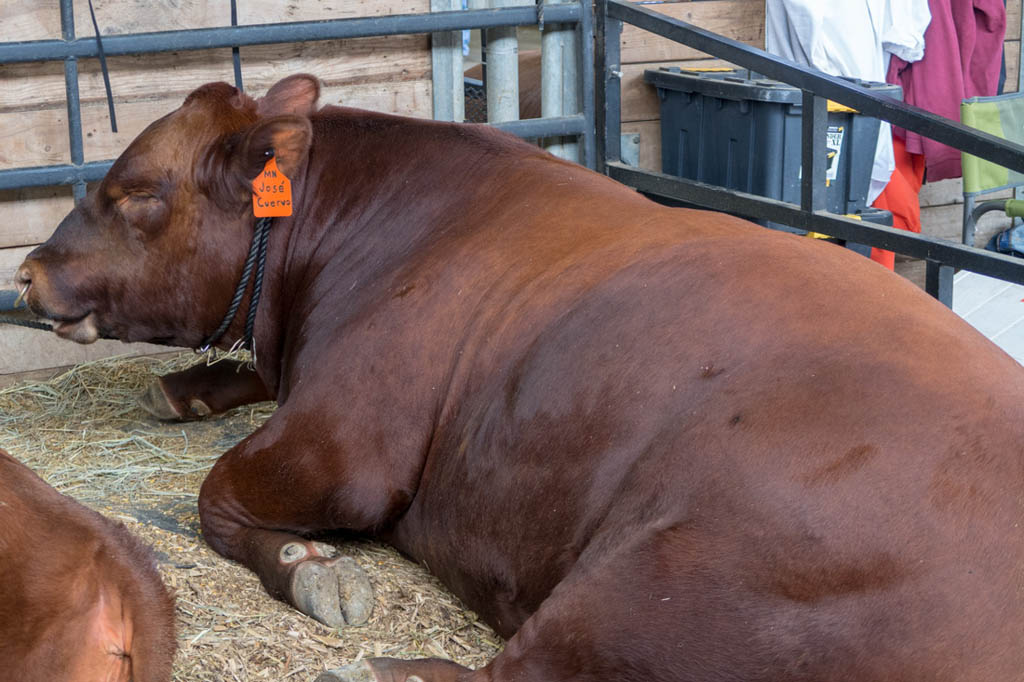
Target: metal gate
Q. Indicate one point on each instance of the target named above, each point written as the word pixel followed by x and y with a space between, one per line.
pixel 942 257
pixel 71 48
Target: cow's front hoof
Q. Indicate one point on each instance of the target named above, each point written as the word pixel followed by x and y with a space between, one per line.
pixel 336 592
pixel 156 402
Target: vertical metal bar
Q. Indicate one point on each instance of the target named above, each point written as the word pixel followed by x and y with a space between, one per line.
pixel 446 60
pixel 938 281
pixel 67 31
pixel 236 55
pixel 559 81
pixel 552 59
pixel 814 126
pixel 609 109
pixel 502 70
pixel 586 87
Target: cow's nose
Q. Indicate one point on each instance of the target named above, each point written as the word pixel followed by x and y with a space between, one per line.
pixel 23 277
pixel 23 282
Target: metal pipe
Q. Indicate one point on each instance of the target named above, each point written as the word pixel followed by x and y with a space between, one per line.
pixel 814 128
pixel 502 71
pixel 587 85
pixel 879 236
pixel 45 176
pixel 74 104
pixel 291 32
pixel 559 80
pixel 551 73
pixel 446 73
pixel 952 133
pixel 536 128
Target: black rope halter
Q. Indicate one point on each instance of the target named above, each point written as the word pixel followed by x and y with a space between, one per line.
pixel 256 259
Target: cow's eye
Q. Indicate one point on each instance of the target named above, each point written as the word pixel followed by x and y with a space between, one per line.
pixel 142 210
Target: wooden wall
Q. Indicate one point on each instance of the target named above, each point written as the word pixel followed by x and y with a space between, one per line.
pixel 388 74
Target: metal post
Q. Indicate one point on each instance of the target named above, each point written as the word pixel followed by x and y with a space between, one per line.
pixel 814 126
pixel 586 90
pixel 559 81
pixel 502 70
pixel 67 30
pixel 938 281
pixel 446 58
pixel 609 82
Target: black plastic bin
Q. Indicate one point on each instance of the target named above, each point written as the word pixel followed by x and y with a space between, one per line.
pixel 729 129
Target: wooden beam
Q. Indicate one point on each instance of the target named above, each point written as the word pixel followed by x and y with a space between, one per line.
pixel 30 215
pixel 741 20
pixel 34 86
pixel 639 98
pixel 650 142
pixel 39 138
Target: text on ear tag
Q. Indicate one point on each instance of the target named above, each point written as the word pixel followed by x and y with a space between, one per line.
pixel 271 192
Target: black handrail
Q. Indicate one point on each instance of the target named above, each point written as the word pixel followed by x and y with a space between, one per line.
pixel 941 256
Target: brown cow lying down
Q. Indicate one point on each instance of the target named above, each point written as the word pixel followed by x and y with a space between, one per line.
pixel 80 597
pixel 643 443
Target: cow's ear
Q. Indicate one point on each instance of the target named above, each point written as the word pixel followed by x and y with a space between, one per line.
pixel 285 138
pixel 292 95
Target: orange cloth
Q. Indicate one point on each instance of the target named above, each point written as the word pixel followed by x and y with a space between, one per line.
pixel 900 196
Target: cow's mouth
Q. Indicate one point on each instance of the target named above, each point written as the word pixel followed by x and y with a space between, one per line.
pixel 80 330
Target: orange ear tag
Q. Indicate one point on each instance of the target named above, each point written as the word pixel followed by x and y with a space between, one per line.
pixel 271 192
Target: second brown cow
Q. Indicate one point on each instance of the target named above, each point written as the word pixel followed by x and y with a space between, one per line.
pixel 643 443
pixel 80 597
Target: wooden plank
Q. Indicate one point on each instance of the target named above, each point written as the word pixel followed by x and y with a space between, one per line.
pixel 741 20
pixel 29 19
pixel 1013 19
pixel 1012 53
pixel 650 142
pixel 40 137
pixel 942 192
pixel 640 99
pixel 31 350
pixel 30 215
pixel 121 16
pixel 337 62
pixel 10 259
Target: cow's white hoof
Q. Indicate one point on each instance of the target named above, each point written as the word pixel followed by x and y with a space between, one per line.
pixel 354 672
pixel 336 592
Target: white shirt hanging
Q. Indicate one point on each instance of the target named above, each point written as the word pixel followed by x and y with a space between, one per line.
pixel 851 38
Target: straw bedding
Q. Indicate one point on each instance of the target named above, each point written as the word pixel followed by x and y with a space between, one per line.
pixel 84 433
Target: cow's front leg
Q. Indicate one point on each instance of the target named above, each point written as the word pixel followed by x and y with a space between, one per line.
pixel 203 390
pixel 291 479
pixel 311 576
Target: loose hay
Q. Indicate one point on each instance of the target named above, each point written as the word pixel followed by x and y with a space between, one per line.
pixel 84 433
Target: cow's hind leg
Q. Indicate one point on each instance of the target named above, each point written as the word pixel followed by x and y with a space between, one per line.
pixel 203 390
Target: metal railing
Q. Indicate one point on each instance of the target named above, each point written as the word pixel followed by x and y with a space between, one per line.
pixel 942 257
pixel 71 48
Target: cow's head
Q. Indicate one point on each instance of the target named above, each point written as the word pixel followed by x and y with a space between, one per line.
pixel 155 251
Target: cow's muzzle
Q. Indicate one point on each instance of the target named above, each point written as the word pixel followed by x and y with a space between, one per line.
pixel 78 327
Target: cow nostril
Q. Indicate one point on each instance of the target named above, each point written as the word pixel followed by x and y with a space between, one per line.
pixel 23 282
pixel 23 277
